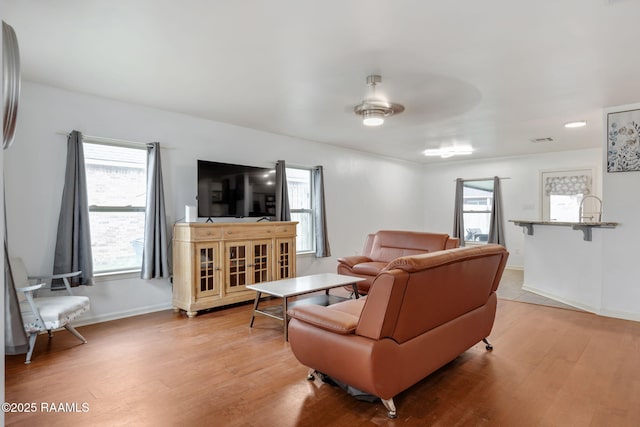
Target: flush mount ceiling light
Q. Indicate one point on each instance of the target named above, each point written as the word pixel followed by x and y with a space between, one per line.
pixel 446 152
pixel 374 110
pixel 577 124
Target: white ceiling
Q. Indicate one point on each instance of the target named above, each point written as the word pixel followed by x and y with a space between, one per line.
pixel 493 74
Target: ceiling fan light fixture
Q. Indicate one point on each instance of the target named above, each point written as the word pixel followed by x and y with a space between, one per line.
pixel 372 118
pixel 374 110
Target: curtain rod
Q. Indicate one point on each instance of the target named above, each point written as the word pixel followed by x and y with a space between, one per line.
pixel 483 179
pixel 114 141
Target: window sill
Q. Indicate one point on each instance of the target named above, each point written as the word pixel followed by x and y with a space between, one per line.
pixel 472 243
pixel 117 275
pixel 307 253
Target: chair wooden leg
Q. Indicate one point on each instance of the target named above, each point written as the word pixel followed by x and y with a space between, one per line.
pixel 32 344
pixel 75 333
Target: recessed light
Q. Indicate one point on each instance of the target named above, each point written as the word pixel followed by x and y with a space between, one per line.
pixel 578 124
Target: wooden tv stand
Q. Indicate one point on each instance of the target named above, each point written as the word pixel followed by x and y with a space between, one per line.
pixel 213 262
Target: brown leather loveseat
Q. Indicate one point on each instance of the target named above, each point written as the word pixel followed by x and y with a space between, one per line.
pixel 386 245
pixel 421 313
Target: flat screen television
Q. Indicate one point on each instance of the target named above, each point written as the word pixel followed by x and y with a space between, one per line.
pixel 228 190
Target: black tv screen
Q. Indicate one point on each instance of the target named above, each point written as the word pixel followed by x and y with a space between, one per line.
pixel 228 190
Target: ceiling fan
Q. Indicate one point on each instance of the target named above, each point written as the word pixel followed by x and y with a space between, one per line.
pixel 374 110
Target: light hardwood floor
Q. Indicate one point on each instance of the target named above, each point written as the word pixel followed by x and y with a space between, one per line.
pixel 550 367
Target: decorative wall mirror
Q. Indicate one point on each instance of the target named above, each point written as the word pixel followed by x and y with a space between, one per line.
pixel 10 83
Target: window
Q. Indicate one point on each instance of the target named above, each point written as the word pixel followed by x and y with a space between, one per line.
pixel 299 186
pixel 476 209
pixel 116 189
pixel 562 193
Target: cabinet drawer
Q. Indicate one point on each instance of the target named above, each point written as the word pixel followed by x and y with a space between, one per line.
pixel 288 230
pixel 255 232
pixel 260 231
pixel 206 233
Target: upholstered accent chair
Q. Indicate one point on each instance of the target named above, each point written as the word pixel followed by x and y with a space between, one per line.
pixel 41 314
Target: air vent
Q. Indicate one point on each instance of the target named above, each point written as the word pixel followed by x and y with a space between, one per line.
pixel 536 140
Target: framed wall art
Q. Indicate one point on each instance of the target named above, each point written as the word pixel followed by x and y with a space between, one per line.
pixel 623 141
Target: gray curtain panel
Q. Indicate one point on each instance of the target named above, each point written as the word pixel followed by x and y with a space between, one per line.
pixel 496 226
pixel 73 243
pixel 458 222
pixel 283 213
pixel 322 237
pixel 155 259
pixel 15 339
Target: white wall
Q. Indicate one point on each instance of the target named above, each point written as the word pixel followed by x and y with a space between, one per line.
pixel 363 192
pixel 611 284
pixel 621 246
pixel 520 193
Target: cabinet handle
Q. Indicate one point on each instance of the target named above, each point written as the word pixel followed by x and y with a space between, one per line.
pixel 218 269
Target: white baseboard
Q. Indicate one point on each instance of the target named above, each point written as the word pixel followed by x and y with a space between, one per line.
pixel 575 304
pixel 620 315
pixel 600 312
pixel 90 320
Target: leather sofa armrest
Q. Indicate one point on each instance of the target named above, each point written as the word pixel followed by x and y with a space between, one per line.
pixel 325 318
pixel 353 260
pixel 452 243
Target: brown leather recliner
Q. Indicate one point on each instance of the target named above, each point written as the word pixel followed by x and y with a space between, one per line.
pixel 386 245
pixel 421 313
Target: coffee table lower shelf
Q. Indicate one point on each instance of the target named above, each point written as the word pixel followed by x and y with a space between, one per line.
pixel 275 311
pixel 295 287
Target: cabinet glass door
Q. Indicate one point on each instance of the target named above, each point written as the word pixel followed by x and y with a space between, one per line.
pixel 284 258
pixel 261 260
pixel 237 271
pixel 207 282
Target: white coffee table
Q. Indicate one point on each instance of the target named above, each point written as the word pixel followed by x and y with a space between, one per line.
pixel 287 288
